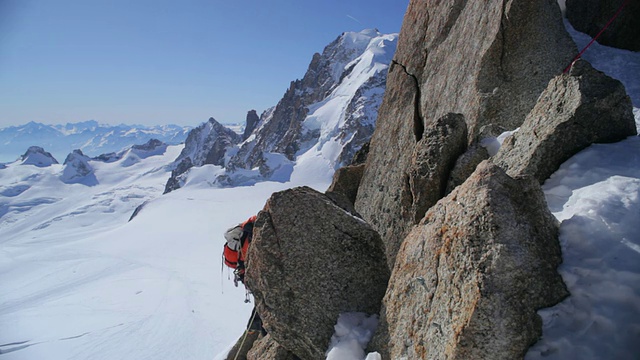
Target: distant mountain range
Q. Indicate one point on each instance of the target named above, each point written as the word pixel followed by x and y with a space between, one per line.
pixel 89 136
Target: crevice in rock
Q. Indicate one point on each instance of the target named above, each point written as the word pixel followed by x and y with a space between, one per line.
pixel 503 38
pixel 418 122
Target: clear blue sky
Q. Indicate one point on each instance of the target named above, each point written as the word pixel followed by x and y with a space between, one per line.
pixel 165 61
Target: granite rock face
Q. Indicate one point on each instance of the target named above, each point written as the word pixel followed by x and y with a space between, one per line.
pixel 469 278
pixel 486 60
pixel 591 16
pixel 309 261
pixel 575 111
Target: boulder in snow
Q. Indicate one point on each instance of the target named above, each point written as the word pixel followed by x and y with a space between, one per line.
pixel 575 111
pixel 37 156
pixel 310 261
pixel 470 277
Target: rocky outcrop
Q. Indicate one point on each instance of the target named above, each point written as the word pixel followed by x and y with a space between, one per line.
pixel 591 16
pixel 35 155
pixel 486 60
pixel 469 278
pixel 206 144
pixel 309 261
pixel 176 180
pixel 575 111
pixel 77 169
pixel 251 123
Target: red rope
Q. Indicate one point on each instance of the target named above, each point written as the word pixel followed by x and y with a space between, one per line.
pixel 596 37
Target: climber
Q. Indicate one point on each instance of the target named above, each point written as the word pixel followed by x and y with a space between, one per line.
pixel 238 239
pixel 236 247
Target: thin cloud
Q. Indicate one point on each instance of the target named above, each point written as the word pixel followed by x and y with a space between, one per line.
pixel 354 19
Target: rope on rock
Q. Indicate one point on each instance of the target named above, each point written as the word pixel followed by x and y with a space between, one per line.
pixel 246 332
pixel 624 3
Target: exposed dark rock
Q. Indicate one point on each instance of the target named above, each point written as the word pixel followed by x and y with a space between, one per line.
pixel 470 277
pixel 346 181
pixel 575 111
pixel 108 158
pixel 360 157
pixel 252 122
pixel 35 155
pixel 309 261
pixel 150 145
pixel 591 16
pixel 486 60
pixel 268 349
pixel 137 211
pixel 175 180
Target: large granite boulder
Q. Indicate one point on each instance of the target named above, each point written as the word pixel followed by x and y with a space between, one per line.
pixel 310 260
pixel 469 278
pixel 575 111
pixel 591 17
pixel 487 60
pixel 268 349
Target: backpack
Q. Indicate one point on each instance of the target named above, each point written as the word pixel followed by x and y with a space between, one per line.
pixel 233 237
pixel 237 243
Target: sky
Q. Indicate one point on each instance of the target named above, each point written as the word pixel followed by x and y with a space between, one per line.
pixel 154 62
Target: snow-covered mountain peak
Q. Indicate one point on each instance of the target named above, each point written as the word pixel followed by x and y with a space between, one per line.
pixel 37 156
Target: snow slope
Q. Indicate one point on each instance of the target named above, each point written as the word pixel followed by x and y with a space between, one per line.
pixel 596 196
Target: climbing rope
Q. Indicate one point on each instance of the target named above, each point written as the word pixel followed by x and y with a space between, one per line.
pixel 597 36
pixel 246 332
